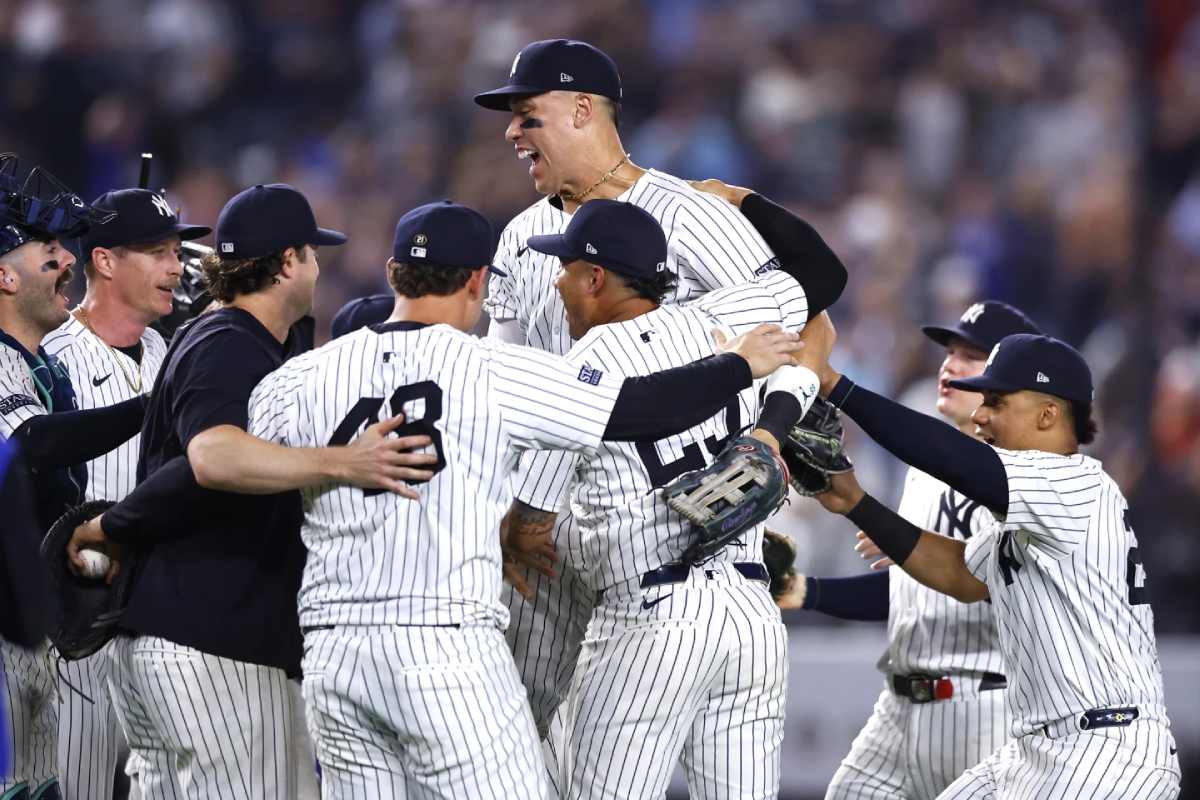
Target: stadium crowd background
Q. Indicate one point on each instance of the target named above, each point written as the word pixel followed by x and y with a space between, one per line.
pixel 1045 153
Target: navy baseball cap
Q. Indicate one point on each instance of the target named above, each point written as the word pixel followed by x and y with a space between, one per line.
pixel 361 312
pixel 445 234
pixel 553 64
pixel 262 220
pixel 612 234
pixel 983 325
pixel 142 216
pixel 1035 362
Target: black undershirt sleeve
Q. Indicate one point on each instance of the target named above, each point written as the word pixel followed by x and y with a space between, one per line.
pixel 170 492
pixel 53 441
pixel 662 404
pixel 802 252
pixel 862 597
pixel 930 445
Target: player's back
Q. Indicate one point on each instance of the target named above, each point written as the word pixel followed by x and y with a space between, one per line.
pixel 1068 590
pixel 376 558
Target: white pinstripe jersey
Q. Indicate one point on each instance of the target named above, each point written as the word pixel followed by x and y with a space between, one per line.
pixel 625 528
pixel 101 377
pixel 1068 591
pixel 19 398
pixel 930 632
pixel 380 559
pixel 710 244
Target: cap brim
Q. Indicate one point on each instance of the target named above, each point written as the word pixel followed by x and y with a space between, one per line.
pixel 983 383
pixel 325 236
pixel 943 336
pixel 189 232
pixel 498 99
pixel 553 244
pixel 492 268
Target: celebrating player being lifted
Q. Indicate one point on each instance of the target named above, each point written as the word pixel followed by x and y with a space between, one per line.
pixel 410 687
pixel 564 98
pixel 943 707
pixel 1062 570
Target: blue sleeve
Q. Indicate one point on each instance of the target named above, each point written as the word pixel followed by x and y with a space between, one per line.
pixel 863 597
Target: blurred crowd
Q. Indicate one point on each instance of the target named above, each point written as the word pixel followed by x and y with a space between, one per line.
pixel 1045 152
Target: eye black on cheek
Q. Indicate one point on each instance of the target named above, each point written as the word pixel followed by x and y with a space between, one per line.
pixel 532 122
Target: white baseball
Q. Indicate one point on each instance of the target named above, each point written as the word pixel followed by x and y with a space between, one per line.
pixel 95 563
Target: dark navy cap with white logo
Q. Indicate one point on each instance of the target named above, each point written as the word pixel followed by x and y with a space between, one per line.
pixel 554 64
pixel 263 220
pixel 612 234
pixel 445 234
pixel 142 216
pixel 983 325
pixel 1035 362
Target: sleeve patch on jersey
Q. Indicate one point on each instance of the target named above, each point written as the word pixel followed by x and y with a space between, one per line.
pixel 12 403
pixel 587 374
pixel 773 264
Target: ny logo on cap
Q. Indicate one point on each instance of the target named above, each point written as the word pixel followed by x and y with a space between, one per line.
pixel 660 266
pixel 591 250
pixel 992 356
pixel 972 314
pixel 565 78
pixel 513 71
pixel 161 204
pixel 1041 378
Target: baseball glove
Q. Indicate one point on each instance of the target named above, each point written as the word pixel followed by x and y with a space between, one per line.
pixel 743 486
pixel 779 556
pixel 813 450
pixel 86 610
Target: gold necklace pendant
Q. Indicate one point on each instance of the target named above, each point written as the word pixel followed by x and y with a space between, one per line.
pixel 578 198
pixel 134 380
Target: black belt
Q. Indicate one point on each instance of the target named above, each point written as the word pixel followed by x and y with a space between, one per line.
pixel 677 573
pixel 927 688
pixel 307 629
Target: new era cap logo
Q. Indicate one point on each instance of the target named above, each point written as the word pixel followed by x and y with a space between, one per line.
pixel 161 204
pixel 972 314
pixel 565 78
pixel 591 250
pixel 1041 378
pixel 660 266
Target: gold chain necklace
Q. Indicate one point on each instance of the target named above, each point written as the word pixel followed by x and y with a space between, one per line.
pixel 578 198
pixel 135 385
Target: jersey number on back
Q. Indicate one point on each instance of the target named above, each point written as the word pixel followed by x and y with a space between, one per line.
pixel 661 474
pixel 366 412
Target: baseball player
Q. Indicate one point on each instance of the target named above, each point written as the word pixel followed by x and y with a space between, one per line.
pixel 564 98
pixel 942 708
pixel 1062 570
pixel 634 701
pixel 37 413
pixel 211 614
pixel 410 687
pixel 132 267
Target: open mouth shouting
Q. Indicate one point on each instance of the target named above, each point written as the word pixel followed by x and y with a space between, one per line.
pixel 60 286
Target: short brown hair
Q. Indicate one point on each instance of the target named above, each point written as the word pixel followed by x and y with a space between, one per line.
pixel 228 278
pixel 418 280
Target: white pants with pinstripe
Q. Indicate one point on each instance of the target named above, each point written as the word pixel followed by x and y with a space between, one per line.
pixel 698 678
pixel 1136 762
pixel 912 751
pixel 30 714
pixel 89 737
pixel 201 726
pixel 420 712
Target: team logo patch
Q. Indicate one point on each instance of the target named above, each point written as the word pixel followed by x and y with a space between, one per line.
pixel 972 314
pixel 421 240
pixel 417 252
pixel 768 266
pixel 992 356
pixel 11 404
pixel 161 204
pixel 516 61
pixel 587 374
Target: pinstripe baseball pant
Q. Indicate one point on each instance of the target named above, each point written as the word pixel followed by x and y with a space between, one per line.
pixel 89 737
pixel 1136 762
pixel 201 726
pixel 692 672
pixel 912 751
pixel 30 713
pixel 419 712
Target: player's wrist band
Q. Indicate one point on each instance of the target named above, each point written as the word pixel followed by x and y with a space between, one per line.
pixel 841 391
pixel 781 411
pixel 891 533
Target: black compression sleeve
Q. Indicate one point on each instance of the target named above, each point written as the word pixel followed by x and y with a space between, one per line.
pixel 930 445
pixel 802 252
pixel 169 493
pixel 891 533
pixel 52 441
pixel 863 597
pixel 662 404
pixel 781 410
